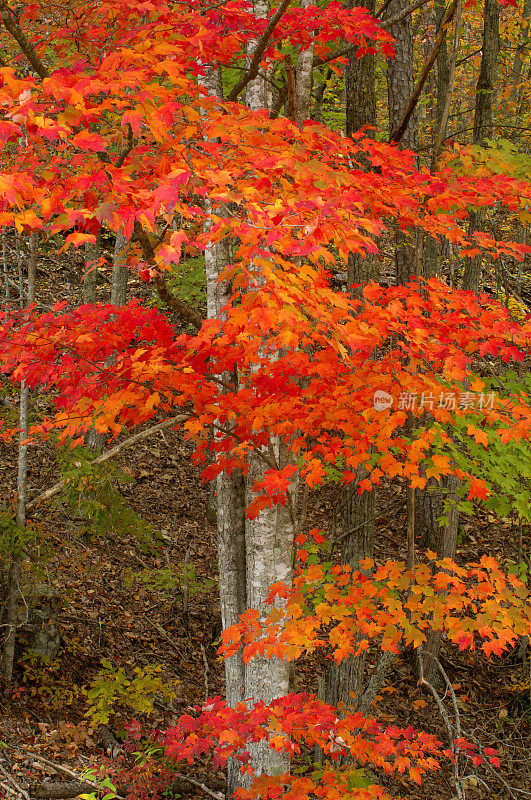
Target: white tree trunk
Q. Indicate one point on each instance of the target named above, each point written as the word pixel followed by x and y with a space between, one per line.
pixel 13 588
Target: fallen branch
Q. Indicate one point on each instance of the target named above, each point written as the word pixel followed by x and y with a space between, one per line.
pixel 61 790
pixel 137 437
pixel 205 789
pixel 13 787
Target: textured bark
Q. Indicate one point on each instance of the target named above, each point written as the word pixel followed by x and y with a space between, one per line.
pixel 400 76
pixel 400 87
pixel 303 81
pixel 91 278
pixel 120 272
pixel 230 489
pixel 443 540
pixel 346 681
pixel 269 546
pixel 61 790
pixel 256 93
pixel 484 122
pixel 360 86
pixel 360 92
pixel 13 585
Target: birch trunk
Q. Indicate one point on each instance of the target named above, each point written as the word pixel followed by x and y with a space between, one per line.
pixel 268 537
pixel 230 489
pixel 13 588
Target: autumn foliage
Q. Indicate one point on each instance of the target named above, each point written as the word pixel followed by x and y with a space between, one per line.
pixel 120 131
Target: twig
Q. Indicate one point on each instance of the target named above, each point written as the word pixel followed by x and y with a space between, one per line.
pixel 128 147
pixel 163 633
pixel 59 767
pixel 207 670
pixel 9 790
pixel 205 789
pixel 452 733
pixel 11 779
pixel 137 437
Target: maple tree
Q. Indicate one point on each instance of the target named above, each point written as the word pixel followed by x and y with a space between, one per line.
pixel 121 131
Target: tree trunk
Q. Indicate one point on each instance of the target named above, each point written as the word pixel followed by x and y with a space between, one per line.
pixel 483 122
pixel 400 87
pixel 443 540
pixel 360 111
pixel 90 280
pixel 303 81
pixel 120 272
pixel 13 587
pixel 345 681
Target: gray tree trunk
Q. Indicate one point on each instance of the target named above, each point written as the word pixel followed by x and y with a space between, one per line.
pixel 120 272
pixel 90 280
pixel 360 91
pixel 13 588
pixel 400 87
pixel 230 489
pixel 443 540
pixel 484 122
pixel 268 537
pixel 303 81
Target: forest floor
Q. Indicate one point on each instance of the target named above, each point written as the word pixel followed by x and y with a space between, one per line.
pixel 125 605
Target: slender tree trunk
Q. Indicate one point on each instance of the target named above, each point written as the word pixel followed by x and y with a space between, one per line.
pixel 7 293
pixel 442 539
pixel 484 121
pixel 360 111
pixel 230 489
pixel 269 536
pixel 91 278
pixel 303 81
pixel 120 272
pixel 400 87
pixel 13 588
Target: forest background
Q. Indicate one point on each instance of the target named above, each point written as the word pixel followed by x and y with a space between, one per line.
pixel 297 195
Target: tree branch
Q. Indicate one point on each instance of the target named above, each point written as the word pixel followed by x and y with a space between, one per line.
pixel 184 310
pixel 347 49
pixel 400 130
pixel 128 147
pixel 12 26
pixel 137 437
pixel 263 42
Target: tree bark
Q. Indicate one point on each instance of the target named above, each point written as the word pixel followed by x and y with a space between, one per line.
pixel 120 272
pixel 442 539
pixel 400 88
pixel 90 280
pixel 483 122
pixel 13 587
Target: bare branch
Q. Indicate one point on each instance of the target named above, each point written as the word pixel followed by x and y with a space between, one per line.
pixel 137 437
pixel 128 147
pixel 263 42
pixel 11 25
pixel 173 302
